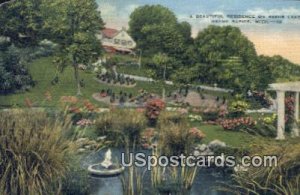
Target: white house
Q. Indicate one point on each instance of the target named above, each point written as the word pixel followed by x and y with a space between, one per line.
pixel 116 41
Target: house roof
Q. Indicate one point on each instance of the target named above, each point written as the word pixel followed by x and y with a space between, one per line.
pixel 109 32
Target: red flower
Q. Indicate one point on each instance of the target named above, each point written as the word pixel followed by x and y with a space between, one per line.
pixel 154 107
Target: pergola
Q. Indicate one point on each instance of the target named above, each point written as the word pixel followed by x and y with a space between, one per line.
pixel 281 89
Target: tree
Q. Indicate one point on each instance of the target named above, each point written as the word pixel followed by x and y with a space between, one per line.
pixel 74 25
pixel 226 54
pixel 186 31
pixel 13 74
pixel 162 38
pixel 217 43
pixel 280 67
pixel 155 29
pixel 22 21
pixel 162 61
pixel 148 15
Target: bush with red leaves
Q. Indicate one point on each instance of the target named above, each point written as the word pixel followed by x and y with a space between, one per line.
pixel 238 123
pixel 154 107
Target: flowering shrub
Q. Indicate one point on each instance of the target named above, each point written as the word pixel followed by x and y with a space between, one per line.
pixel 238 123
pixel 263 127
pixel 84 122
pixel 289 112
pixel 153 109
pixel 196 133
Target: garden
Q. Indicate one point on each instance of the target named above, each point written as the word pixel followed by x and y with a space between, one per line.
pixel 73 116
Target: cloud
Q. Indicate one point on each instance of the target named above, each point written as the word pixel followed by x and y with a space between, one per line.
pixel 116 16
pixel 130 8
pixel 278 12
pixel 107 10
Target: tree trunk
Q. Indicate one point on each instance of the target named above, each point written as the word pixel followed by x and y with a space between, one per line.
pixel 163 93
pixel 76 74
pixel 164 82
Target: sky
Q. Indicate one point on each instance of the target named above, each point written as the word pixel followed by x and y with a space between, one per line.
pixel 269 39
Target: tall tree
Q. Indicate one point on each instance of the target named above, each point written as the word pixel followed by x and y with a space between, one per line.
pixel 216 48
pixel 155 29
pixel 217 43
pixel 22 21
pixel 146 16
pixel 73 24
pixel 186 30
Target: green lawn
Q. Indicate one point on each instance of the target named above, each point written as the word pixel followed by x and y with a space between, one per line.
pixel 43 71
pixel 133 70
pixel 231 138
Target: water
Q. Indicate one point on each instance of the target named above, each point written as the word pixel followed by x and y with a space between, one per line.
pixel 206 181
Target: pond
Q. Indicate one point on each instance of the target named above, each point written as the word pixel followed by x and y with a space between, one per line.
pixel 206 181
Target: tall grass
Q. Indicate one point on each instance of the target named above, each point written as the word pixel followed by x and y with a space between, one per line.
pixel 281 179
pixel 174 138
pixel 33 153
pixel 120 125
pixel 124 127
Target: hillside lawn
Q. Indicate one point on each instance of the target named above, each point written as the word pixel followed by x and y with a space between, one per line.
pixel 43 71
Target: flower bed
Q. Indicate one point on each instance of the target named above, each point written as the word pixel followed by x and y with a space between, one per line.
pixel 118 80
pixel 237 124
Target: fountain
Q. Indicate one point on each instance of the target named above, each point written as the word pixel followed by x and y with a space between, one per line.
pixel 106 168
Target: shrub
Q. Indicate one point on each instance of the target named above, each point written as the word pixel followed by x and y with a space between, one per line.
pixel 121 126
pixel 172 117
pixel 195 118
pixel 238 124
pixel 210 116
pixel 247 124
pixel 33 153
pixel 13 74
pixel 175 134
pixel 238 108
pixel 153 109
pixel 260 99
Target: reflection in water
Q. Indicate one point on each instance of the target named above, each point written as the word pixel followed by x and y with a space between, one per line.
pixel 205 183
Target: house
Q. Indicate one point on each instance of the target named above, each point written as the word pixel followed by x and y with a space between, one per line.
pixel 117 41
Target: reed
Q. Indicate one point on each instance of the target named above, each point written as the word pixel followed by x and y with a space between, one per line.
pixel 281 179
pixel 33 152
pixel 132 180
